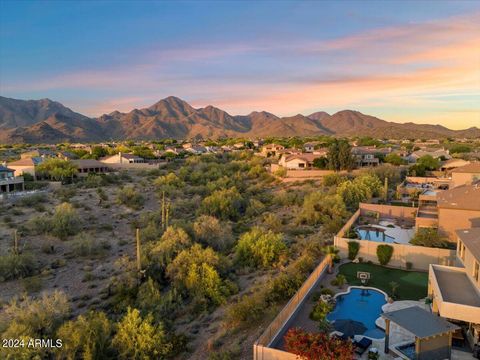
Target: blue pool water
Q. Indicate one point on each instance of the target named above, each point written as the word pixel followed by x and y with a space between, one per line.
pixel 374 235
pixel 364 305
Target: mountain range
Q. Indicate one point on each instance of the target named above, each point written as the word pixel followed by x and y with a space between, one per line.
pixel 47 121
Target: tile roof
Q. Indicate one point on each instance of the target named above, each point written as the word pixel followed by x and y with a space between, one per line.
pixel 471 168
pixel 466 197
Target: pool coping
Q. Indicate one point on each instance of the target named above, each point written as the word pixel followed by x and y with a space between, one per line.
pixel 367 288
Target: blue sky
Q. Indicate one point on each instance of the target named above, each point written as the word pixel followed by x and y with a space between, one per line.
pixel 401 61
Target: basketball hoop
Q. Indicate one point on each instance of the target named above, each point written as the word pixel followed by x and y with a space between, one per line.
pixel 364 276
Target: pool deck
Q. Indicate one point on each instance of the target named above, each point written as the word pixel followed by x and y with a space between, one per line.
pixel 399 234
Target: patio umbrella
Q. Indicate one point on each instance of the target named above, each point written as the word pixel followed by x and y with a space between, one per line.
pixel 349 328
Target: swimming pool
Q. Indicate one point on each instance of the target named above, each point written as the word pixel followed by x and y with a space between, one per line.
pixel 361 304
pixel 374 234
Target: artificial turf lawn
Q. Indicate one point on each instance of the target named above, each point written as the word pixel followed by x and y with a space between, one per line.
pixel 412 284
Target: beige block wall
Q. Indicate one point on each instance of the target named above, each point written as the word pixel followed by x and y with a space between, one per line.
pixel 421 257
pixel 265 353
pixel 389 211
pixel 450 220
pixel 21 169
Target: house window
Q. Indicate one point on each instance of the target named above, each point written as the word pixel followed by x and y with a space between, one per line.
pixel 476 269
pixel 301 165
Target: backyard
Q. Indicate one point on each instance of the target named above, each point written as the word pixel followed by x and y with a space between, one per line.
pixel 412 285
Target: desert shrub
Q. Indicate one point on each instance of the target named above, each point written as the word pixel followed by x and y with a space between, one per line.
pixel 210 231
pixel 32 284
pixel 13 266
pixel 259 248
pixel 37 317
pixel 288 197
pixel 32 200
pixel 139 337
pixel 339 280
pixel 130 197
pixel 196 270
pixel 225 204
pixel 171 243
pixel 384 254
pixel 429 237
pixel 353 248
pixel 281 172
pixel 87 337
pixel 272 222
pixel 322 208
pixel 333 179
pixel 86 245
pixel 64 222
pixel 65 193
pixel 248 309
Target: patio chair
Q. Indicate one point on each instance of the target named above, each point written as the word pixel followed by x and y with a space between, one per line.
pixel 362 345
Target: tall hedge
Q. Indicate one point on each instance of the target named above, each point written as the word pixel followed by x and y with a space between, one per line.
pixel 353 248
pixel 384 254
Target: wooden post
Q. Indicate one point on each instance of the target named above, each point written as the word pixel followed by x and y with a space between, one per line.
pixel 386 189
pixel 387 336
pixel 167 211
pixel 139 261
pixel 15 242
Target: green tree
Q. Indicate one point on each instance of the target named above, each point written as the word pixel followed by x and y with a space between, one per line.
pixel 428 162
pixel 173 240
pixel 361 189
pixel 87 337
pixel 57 169
pixel 139 338
pixel 259 248
pixel 394 159
pixel 320 163
pixel 195 270
pixel 340 156
pixel 226 204
pixel 210 231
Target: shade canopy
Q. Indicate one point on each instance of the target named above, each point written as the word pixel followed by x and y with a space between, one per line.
pixel 419 322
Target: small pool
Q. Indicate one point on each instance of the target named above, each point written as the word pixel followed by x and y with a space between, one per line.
pixel 374 234
pixel 408 350
pixel 361 304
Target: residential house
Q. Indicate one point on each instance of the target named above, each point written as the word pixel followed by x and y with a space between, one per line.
pixel 455 291
pixel 309 147
pixel 466 174
pixel 90 166
pixel 122 158
pixel 368 155
pixel 272 150
pixel 435 153
pixel 449 165
pixel 26 165
pixel 458 208
pixel 8 181
pixel 297 161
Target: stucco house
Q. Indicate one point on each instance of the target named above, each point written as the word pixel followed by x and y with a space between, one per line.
pixel 465 175
pixel 8 181
pixel 26 165
pixel 89 166
pixel 455 291
pixel 298 161
pixel 458 208
pixel 122 158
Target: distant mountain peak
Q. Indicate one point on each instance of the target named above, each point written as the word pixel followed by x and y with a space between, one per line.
pixel 45 120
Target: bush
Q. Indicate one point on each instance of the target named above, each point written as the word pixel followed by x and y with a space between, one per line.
pixel 85 245
pixel 384 254
pixel 14 266
pixel 248 308
pixel 429 237
pixel 210 231
pixel 320 311
pixel 130 197
pixel 326 291
pixel 259 248
pixel 32 200
pixel 353 248
pixel 64 222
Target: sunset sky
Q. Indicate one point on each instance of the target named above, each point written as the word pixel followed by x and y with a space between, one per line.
pixel 400 61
